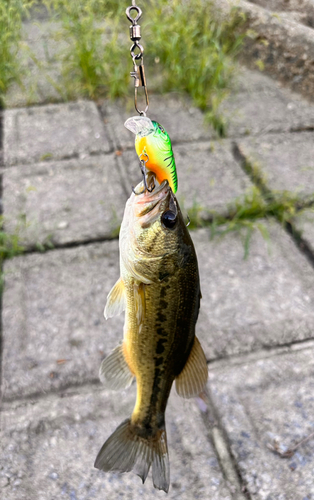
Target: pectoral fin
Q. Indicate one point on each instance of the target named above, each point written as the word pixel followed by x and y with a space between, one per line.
pixel 139 302
pixel 114 371
pixel 116 300
pixel 193 378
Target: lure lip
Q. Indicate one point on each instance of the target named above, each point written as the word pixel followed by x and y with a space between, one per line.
pixel 140 125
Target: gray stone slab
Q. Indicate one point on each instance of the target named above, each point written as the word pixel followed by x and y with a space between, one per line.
pixel 63 202
pixel 269 110
pixel 285 161
pixel 263 400
pixel 209 178
pixel 54 331
pixel 261 301
pixel 55 131
pixel 304 223
pixel 175 112
pixel 49 447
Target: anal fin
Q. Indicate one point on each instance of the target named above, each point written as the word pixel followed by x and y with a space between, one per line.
pixel 193 377
pixel 114 371
pixel 116 300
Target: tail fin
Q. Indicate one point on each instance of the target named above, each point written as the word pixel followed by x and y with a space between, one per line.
pixel 125 450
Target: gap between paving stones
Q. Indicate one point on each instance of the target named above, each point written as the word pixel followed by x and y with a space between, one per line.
pixel 289 227
pixel 216 365
pixel 219 440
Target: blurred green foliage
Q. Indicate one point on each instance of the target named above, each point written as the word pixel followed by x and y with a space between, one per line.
pixel 195 47
pixel 189 48
pixel 11 12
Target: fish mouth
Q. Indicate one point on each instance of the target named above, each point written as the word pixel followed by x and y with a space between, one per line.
pixel 141 126
pixel 149 206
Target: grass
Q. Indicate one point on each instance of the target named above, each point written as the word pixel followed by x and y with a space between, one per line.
pixel 93 61
pixel 10 246
pixel 194 48
pixel 11 12
pixel 248 213
pixel 188 48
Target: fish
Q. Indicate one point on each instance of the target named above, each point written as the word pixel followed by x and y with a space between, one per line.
pixel 153 146
pixel 159 290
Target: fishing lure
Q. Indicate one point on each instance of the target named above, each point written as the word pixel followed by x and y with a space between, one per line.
pixel 153 147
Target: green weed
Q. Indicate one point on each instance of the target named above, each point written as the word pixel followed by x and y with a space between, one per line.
pixel 194 49
pixel 94 62
pixel 11 13
pixel 10 245
pixel 188 48
pixel 248 213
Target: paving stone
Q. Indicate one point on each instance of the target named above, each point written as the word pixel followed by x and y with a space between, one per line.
pixel 209 178
pixel 49 447
pixel 256 105
pixel 56 131
pixel 304 223
pixel 54 334
pixel 269 110
pixel 53 318
pixel 183 122
pixel 286 161
pixel 63 202
pixel 261 301
pixel 263 400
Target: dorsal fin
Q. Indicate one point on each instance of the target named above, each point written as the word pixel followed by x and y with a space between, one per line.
pixel 193 378
pixel 116 300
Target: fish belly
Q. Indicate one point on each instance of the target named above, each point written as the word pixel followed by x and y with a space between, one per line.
pixel 155 349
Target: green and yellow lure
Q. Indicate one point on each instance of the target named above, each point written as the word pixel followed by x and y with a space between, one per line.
pixel 153 146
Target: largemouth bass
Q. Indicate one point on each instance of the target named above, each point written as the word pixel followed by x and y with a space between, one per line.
pixel 153 146
pixel 159 290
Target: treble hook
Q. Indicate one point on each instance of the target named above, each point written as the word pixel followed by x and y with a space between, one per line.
pixel 143 170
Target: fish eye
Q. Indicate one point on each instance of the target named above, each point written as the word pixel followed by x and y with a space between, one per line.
pixel 161 128
pixel 169 219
